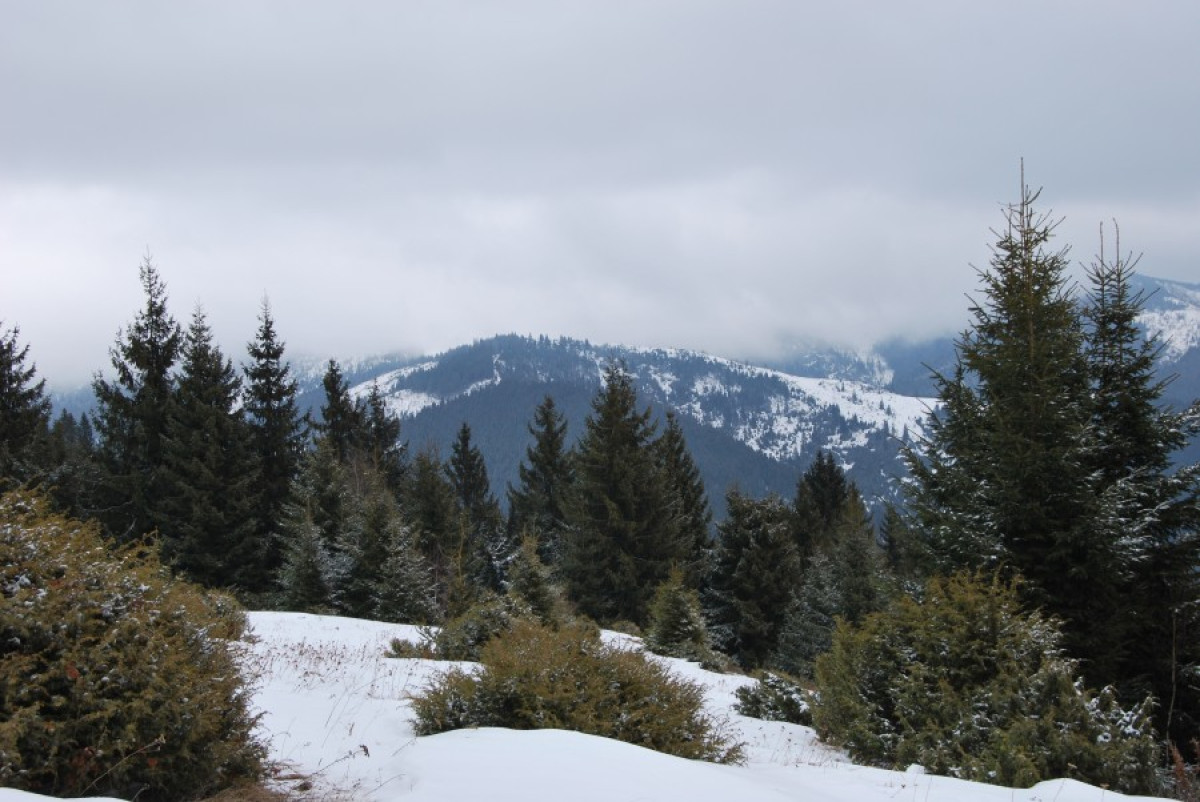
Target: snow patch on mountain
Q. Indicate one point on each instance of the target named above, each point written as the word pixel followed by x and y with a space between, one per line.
pixel 1175 319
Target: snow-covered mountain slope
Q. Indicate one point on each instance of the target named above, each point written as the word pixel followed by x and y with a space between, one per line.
pixel 1171 313
pixel 748 425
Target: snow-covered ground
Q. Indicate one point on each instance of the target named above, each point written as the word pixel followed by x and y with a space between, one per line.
pixel 337 717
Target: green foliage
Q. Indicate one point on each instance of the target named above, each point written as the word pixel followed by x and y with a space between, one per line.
pixel 807 629
pixel 463 637
pixel 306 577
pixel 624 533
pixel 481 522
pixel 538 503
pixel 1050 457
pixel 534 677
pixel 207 527
pixel 529 581
pixel 966 684
pixel 275 443
pixel 131 414
pixel 24 413
pixel 689 501
pixel 756 571
pixel 114 678
pixel 677 627
pixel 775 697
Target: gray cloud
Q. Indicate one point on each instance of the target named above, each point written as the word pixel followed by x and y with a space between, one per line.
pixel 717 175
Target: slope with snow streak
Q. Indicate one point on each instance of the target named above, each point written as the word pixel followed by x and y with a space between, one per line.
pixel 336 714
pixel 337 709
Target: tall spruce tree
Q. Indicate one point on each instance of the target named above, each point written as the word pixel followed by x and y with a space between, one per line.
pixel 1016 425
pixel 24 414
pixel 537 505
pixel 74 477
pixel 131 414
pixel 689 501
pixel 1152 508
pixel 623 535
pixel 207 527
pixel 341 424
pixel 276 442
pixel 380 439
pixel 821 495
pixel 1031 463
pixel 431 509
pixel 486 542
pixel 756 573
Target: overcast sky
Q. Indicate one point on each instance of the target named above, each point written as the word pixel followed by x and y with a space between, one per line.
pixel 404 175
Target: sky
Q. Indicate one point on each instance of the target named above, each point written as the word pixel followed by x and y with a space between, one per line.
pixel 411 175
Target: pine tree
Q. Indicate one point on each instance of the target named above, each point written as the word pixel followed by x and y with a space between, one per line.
pixel 74 477
pixel 406 593
pixel 207 525
pixel 821 494
pixel 24 414
pixel 132 409
pixel 689 502
pixel 529 581
pixel 365 542
pixel 677 627
pixel 276 441
pixel 431 509
pixel 1149 508
pixel 381 445
pixel 807 629
pixel 623 537
pixel 487 544
pixel 1005 476
pixel 756 572
pixel 306 577
pixel 857 560
pixel 538 503
pixel 341 423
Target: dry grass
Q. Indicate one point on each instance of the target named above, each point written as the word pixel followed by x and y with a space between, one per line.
pixel 250 793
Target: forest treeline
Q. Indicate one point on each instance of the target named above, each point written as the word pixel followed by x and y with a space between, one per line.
pixel 1046 473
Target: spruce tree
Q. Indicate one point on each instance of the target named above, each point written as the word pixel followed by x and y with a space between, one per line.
pixel 131 414
pixel 276 442
pixel 24 414
pixel 756 572
pixel 74 477
pixel 365 543
pixel 807 629
pixel 431 509
pixel 487 543
pixel 1149 506
pixel 821 494
pixel 529 581
pixel 538 503
pixel 380 439
pixel 208 528
pixel 341 423
pixel 1005 477
pixel 306 577
pixel 623 535
pixel 677 627
pixel 857 560
pixel 406 593
pixel 689 501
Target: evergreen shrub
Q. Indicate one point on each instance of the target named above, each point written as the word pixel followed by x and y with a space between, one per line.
pixel 966 684
pixel 775 697
pixel 115 679
pixel 462 637
pixel 677 627
pixel 535 677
